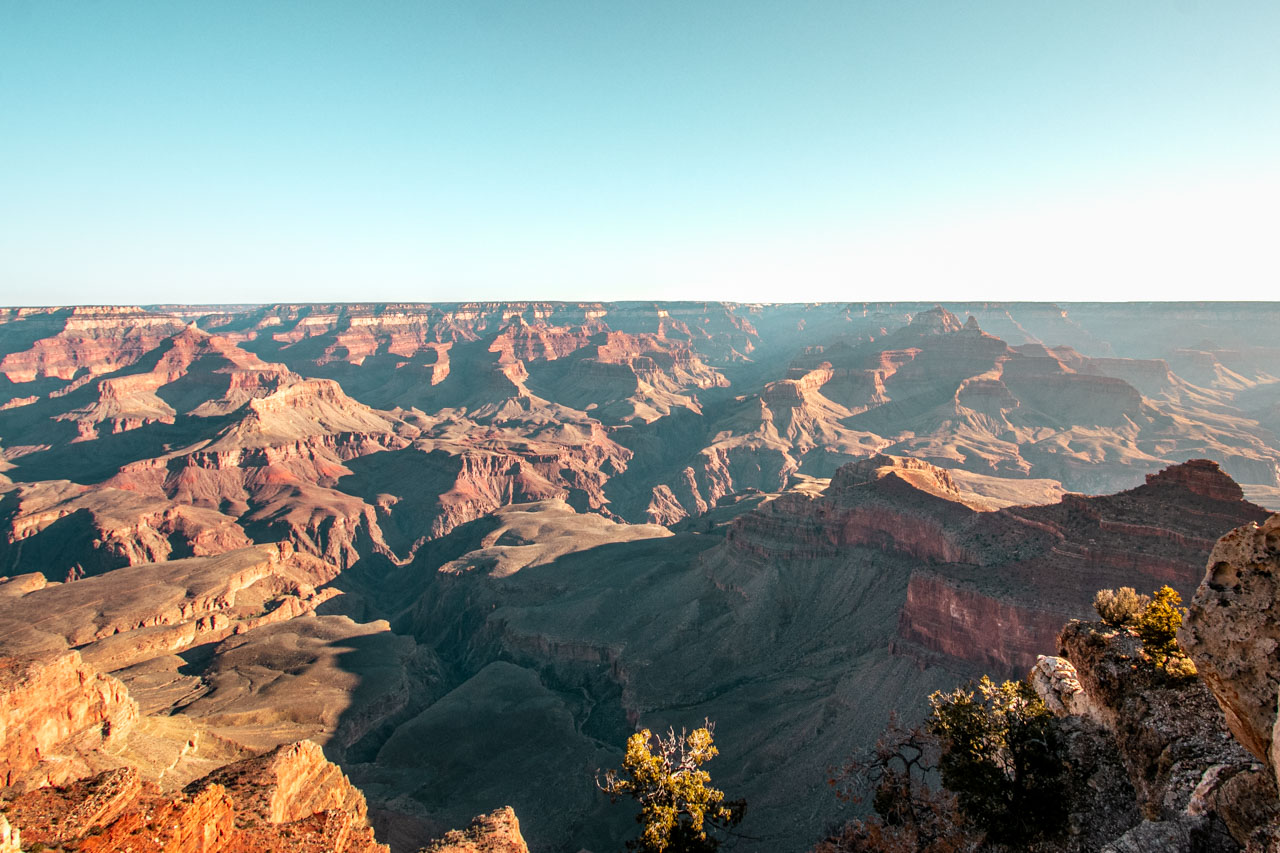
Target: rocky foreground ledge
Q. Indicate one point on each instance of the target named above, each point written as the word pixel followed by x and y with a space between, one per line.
pixel 61 723
pixel 1198 756
pixel 289 799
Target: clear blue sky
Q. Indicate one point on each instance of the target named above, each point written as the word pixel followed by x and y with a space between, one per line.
pixel 316 150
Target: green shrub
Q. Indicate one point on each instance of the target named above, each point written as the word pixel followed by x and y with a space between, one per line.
pixel 1120 607
pixel 1003 759
pixel 677 803
pixel 1157 627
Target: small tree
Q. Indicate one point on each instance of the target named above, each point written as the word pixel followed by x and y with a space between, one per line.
pixel 1002 757
pixel 1120 607
pixel 911 815
pixel 1157 627
pixel 677 803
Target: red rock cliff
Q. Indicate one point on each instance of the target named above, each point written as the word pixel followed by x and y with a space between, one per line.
pixel 1032 568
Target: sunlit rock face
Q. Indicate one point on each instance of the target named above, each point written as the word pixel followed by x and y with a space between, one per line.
pixel 289 799
pixel 1232 632
pixel 467 548
pixel 498 832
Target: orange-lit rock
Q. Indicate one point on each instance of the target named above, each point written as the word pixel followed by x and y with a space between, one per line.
pixel 290 800
pixel 55 711
pixel 498 832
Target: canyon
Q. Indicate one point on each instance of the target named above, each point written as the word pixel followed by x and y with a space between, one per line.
pixel 353 575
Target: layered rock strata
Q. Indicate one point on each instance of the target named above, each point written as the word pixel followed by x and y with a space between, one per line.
pixel 1030 568
pixel 290 799
pixel 384 444
pixel 56 714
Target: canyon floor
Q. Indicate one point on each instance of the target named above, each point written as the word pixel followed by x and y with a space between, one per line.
pixel 467 549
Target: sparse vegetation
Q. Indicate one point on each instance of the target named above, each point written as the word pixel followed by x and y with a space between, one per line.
pixel 1001 756
pixel 1003 768
pixel 912 816
pixel 1121 607
pixel 1180 666
pixel 1154 619
pixel 679 809
pixel 1157 627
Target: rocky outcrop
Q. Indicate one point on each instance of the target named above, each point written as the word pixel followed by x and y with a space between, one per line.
pixel 287 784
pixel 291 801
pixel 1232 633
pixel 1058 685
pixel 895 504
pixel 55 713
pixel 1196 787
pixel 10 837
pixel 664 508
pixel 1201 477
pixel 498 832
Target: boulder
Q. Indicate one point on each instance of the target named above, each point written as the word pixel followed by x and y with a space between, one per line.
pixel 1232 633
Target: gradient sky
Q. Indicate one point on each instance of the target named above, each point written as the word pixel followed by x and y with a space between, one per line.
pixel 222 151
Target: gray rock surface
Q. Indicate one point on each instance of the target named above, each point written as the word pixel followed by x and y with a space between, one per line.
pixel 1232 632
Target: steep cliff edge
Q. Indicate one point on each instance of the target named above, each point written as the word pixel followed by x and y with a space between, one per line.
pixel 1196 787
pixel 1199 751
pixel 290 799
pixel 1031 568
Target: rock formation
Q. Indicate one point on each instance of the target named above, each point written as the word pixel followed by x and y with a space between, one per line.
pixel 287 784
pixel 1192 781
pixel 816 586
pixel 73 343
pixel 10 838
pixel 498 832
pixel 290 799
pixel 1197 749
pixel 1040 565
pixel 1232 633
pixel 56 714
pixel 1195 785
